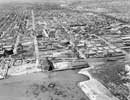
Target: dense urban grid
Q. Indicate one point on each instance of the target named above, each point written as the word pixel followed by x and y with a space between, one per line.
pixel 54 38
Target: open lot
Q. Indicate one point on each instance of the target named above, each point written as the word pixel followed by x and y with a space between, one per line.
pixel 36 86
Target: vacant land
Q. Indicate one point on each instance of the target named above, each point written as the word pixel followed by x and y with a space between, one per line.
pixel 43 86
pixel 114 77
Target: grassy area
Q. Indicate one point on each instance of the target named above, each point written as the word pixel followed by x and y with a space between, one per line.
pixel 113 76
pixel 43 86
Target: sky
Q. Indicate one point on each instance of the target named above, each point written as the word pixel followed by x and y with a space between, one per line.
pixel 5 1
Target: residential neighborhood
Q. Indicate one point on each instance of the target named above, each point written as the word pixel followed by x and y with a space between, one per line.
pixel 55 40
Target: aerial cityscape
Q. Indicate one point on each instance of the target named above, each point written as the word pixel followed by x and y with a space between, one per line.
pixel 65 50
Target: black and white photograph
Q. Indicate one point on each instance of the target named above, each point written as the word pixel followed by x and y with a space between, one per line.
pixel 64 49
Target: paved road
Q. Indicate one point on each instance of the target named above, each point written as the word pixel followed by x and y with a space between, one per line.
pixel 16 44
pixel 35 40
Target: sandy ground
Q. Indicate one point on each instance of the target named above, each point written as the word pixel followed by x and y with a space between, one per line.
pixel 43 86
